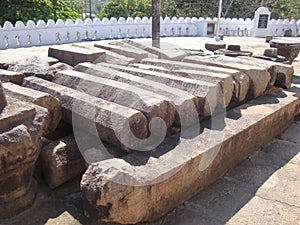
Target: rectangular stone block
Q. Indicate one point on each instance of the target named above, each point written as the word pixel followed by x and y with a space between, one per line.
pixel 73 55
pixel 209 93
pixel 109 56
pixel 97 116
pixel 61 161
pixel 183 170
pixel 150 104
pixel 39 98
pixel 15 113
pixel 10 76
pixel 185 103
pixel 259 77
pixel 168 52
pixel 137 54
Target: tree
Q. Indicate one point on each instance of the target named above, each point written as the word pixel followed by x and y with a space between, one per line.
pixel 126 8
pixel 35 10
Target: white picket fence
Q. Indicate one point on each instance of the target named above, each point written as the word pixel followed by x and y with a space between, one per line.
pixel 61 32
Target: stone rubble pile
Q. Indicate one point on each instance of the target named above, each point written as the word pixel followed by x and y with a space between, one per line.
pixel 141 104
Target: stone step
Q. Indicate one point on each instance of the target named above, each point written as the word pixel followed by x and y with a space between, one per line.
pixel 39 98
pixel 187 106
pixel 2 98
pixel 72 55
pixel 241 80
pixel 167 53
pixel 259 77
pixel 150 104
pixel 209 94
pixel 11 76
pixel 137 54
pixel 95 115
pixel 165 179
pixel 16 112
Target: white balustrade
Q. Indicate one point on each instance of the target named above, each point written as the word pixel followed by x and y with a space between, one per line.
pixel 60 32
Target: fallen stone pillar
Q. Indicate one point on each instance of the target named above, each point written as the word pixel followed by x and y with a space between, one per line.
pixel 207 92
pixel 39 98
pixel 137 54
pixel 72 55
pixel 168 53
pixel 187 105
pixel 259 77
pixel 129 191
pixel 20 132
pixel 11 76
pixel 150 104
pixel 61 161
pixel 95 115
pixel 241 80
pixel 282 73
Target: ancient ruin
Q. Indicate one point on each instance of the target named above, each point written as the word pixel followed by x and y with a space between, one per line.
pixel 150 127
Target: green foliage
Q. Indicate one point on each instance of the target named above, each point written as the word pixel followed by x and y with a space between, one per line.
pixel 126 8
pixel 35 10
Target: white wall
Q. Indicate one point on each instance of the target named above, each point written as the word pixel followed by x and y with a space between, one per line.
pixel 59 32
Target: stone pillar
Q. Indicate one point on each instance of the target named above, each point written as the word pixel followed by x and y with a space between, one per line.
pixel 261 22
pixel 156 23
pixel 2 98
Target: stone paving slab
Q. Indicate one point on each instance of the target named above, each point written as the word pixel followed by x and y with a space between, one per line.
pixel 10 76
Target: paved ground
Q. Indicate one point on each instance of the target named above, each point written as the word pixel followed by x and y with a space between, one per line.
pixel 264 189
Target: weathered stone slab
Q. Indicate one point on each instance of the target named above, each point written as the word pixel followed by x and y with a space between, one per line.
pixel 112 190
pixel 39 98
pixel 15 114
pixel 287 48
pixel 61 161
pixel 19 149
pixel 208 93
pixel 109 56
pixel 2 98
pixel 11 76
pixel 167 53
pixel 123 44
pixel 184 103
pixel 137 54
pixel 94 114
pixel 213 46
pixel 241 84
pixel 259 77
pixel 150 104
pixel 72 55
pixel 32 66
pixel 281 74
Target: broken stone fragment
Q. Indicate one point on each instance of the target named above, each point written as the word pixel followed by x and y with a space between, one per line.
pixel 2 98
pixel 33 66
pixel 11 76
pixel 61 161
pixel 21 127
pixel 39 98
pixel 72 55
